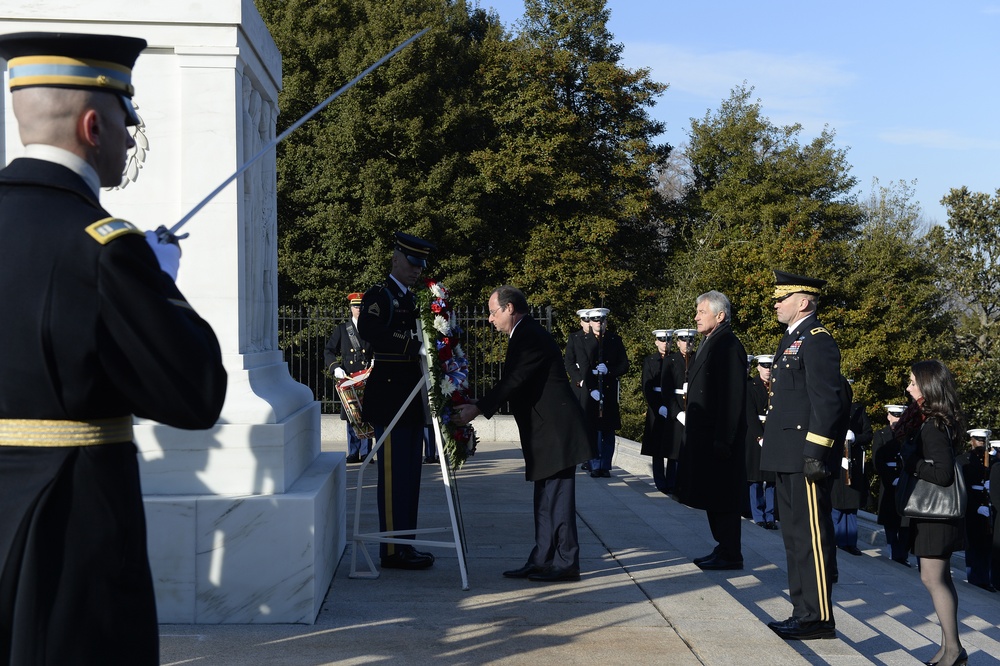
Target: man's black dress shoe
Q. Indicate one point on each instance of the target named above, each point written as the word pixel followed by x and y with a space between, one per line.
pixel 985 586
pixel 555 575
pixel 806 631
pixel 781 624
pixel 719 564
pixel 353 458
pixel 524 571
pixel 853 550
pixel 585 467
pixel 407 559
pixel 770 525
pixel 904 562
pixel 705 558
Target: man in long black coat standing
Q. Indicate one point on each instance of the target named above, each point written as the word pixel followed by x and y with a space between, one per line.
pixel 803 443
pixel 712 470
pixel 551 426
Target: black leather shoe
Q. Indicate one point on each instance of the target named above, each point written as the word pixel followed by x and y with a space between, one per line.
pixel 904 562
pixel 719 564
pixel 555 575
pixel 705 558
pixel 353 458
pixel 523 572
pixel 407 559
pixel 853 550
pixel 985 586
pixel 585 467
pixel 595 473
pixel 806 631
pixel 770 525
pixel 423 554
pixel 781 624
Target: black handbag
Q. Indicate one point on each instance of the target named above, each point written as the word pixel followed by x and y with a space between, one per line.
pixel 917 498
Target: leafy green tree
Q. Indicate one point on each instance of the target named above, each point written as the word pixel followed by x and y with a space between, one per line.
pixel 967 252
pixel 574 161
pixel 897 314
pixel 392 154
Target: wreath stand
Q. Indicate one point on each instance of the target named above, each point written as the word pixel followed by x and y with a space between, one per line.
pixel 359 539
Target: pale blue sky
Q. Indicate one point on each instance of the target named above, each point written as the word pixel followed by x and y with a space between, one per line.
pixel 910 88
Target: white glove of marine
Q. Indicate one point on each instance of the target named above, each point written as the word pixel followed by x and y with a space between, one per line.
pixel 850 436
pixel 662 411
pixel 167 254
pixel 760 440
pixel 895 482
pixel 680 417
pixel 601 369
pixel 983 511
pixel 596 395
pixel 987 486
pixel 339 373
pixel 845 463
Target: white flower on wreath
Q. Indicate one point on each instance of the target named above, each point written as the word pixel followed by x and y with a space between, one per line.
pixel 447 388
pixel 441 324
pixel 438 291
pixel 457 351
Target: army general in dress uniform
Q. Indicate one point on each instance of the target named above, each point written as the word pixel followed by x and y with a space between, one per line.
pixel 803 444
pixel 96 331
pixel 389 320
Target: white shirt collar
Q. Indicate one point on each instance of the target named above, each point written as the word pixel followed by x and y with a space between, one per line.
pixel 401 285
pixel 791 329
pixel 514 328
pixel 75 163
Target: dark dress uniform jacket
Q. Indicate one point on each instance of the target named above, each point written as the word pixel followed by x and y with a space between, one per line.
pixel 854 496
pixel 995 498
pixel 549 420
pixel 389 321
pixel 353 357
pixel 756 407
pixel 712 467
pixel 887 467
pixel 93 330
pixel 657 430
pixel 583 354
pixel 677 364
pixel 809 406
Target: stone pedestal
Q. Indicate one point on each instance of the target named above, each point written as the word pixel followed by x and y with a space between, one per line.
pixel 246 521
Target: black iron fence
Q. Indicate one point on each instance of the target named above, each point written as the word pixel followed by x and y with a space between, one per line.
pixel 303 332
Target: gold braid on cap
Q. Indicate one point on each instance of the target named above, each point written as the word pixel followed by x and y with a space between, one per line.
pixel 783 290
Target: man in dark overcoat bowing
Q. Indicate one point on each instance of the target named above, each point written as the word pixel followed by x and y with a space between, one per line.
pixel 803 443
pixel 550 424
pixel 712 469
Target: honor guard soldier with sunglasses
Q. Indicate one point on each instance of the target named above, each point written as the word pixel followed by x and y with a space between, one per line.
pixel 803 439
pixel 657 428
pixel 761 484
pixel 96 332
pixel 389 320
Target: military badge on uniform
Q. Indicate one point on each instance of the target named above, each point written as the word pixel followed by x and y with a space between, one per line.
pixel 374 309
pixel 106 230
pixel 819 329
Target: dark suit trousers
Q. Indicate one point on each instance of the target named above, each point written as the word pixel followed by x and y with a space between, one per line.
pixel 727 529
pixel 805 509
pixel 399 460
pixel 556 541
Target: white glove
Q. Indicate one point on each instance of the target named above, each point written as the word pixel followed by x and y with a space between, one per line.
pixel 983 511
pixel 167 254
pixel 601 369
pixel 760 441
pixel 684 388
pixel 850 436
pixel 339 373
pixel 662 411
pixel 895 482
pixel 986 485
pixel 845 463
pixel 596 395
pixel 680 417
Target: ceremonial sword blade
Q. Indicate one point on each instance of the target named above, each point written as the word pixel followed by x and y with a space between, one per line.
pixel 172 231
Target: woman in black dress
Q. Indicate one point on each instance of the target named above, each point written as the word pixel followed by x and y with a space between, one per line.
pixel 928 452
